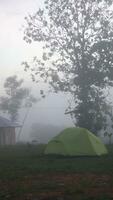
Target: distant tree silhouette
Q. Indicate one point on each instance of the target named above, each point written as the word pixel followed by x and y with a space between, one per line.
pixel 16 96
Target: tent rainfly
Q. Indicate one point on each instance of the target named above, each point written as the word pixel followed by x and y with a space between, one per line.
pixel 76 142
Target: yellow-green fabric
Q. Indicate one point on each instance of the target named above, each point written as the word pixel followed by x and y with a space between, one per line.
pixel 76 142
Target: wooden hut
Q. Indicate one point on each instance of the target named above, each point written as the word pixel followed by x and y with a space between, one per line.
pixel 7 132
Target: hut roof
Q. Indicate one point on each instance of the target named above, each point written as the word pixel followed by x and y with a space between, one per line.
pixel 4 122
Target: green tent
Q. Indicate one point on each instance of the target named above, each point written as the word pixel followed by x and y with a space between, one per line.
pixel 76 142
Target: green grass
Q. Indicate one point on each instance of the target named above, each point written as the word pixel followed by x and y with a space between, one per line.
pixel 25 162
pixel 21 160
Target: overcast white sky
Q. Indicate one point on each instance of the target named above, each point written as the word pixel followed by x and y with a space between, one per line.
pixel 12 47
pixel 13 50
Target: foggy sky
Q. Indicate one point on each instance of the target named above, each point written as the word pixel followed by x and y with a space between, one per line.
pixel 14 50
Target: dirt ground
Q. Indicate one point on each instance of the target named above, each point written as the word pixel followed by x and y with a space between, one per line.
pixel 58 187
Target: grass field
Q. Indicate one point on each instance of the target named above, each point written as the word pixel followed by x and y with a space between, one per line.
pixel 27 174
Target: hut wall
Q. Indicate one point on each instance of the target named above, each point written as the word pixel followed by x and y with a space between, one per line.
pixel 1 136
pixel 12 136
pixel 7 136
